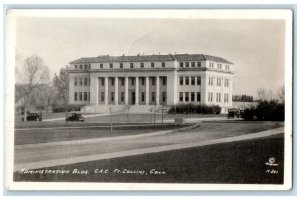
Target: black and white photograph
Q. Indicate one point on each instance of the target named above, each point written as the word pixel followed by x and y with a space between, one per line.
pixel 149 99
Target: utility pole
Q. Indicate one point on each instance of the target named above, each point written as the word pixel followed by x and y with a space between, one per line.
pixel 110 119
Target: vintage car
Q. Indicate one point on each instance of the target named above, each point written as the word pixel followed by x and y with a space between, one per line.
pixel 75 117
pixel 33 117
pixel 234 113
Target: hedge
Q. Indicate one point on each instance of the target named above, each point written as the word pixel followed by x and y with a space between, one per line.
pixel 71 107
pixel 195 109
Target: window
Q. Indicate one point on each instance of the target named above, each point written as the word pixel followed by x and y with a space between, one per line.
pixel 76 81
pixel 80 66
pixel 218 81
pixel 193 64
pixel 181 64
pixel 210 97
pixel 85 66
pixel 75 96
pixel 111 65
pixel 80 82
pixel 112 97
pixel 89 81
pixel 153 96
pixel 131 65
pixel 152 65
pixel 85 96
pixel 102 81
pixel 89 96
pixel 219 66
pixel 76 66
pixel 102 96
pixel 121 65
pixel 112 81
pixel 227 67
pixel 143 80
pixel 122 96
pixel 199 80
pixel 181 96
pixel 187 80
pixel 153 80
pixel 163 64
pixel 164 80
pixel 198 64
pixel 212 65
pixel 142 65
pixel 186 96
pixel 85 81
pixel 132 81
pixel 122 81
pixel 198 96
pixel 218 97
pixel 192 80
pixel 226 95
pixel 210 81
pixel 192 96
pixel 143 96
pixel 101 65
pixel 80 96
pixel 187 64
pixel 164 94
pixel 226 83
pixel 89 66
pixel 181 80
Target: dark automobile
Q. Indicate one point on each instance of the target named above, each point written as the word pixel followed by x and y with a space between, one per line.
pixel 33 117
pixel 75 117
pixel 234 113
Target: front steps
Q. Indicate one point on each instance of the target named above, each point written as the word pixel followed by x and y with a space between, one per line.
pixel 125 108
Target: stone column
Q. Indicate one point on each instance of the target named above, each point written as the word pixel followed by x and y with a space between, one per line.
pixel 106 90
pixel 147 90
pixel 126 90
pixel 157 90
pixel 137 90
pixel 116 90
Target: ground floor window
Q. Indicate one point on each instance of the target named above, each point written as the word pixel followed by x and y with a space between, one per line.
pixel 181 96
pixel 186 96
pixel 198 96
pixel 85 96
pixel 192 96
pixel 80 96
pixel 75 96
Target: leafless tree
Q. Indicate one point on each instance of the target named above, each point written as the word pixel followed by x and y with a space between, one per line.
pixel 281 94
pixel 34 75
pixel 61 83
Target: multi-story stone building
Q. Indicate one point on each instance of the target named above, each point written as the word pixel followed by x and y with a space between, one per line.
pixel 142 81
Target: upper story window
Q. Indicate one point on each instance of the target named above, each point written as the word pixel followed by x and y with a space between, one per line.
pixel 80 66
pixel 198 64
pixel 132 81
pixel 180 80
pixel 227 67
pixel 163 64
pixel 143 80
pixel 122 81
pixel 210 81
pixel 218 81
pixel 192 80
pixel 187 80
pixel 85 66
pixel 187 64
pixel 164 80
pixel 226 83
pixel 153 80
pixel 113 81
pixel 121 65
pixel 199 80
pixel 193 64
pixel 80 82
pixel 181 64
pixel 76 81
pixel 111 65
pixel 211 65
pixel 142 65
pixel 101 65
pixel 85 81
pixel 76 66
pixel 131 65
pixel 152 65
pixel 219 66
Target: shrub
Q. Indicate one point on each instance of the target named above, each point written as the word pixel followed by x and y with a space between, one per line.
pixel 195 108
pixel 265 111
pixel 71 107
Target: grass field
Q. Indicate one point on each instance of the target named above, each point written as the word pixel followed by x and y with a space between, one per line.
pixel 235 162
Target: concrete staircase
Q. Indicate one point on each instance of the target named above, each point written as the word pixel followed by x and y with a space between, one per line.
pixel 125 109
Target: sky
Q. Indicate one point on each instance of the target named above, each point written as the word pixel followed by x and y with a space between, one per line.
pixel 256 47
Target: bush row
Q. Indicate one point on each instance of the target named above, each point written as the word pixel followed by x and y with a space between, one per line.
pixel 71 107
pixel 195 108
pixel 265 111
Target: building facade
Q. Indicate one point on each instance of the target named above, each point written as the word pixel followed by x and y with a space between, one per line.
pixel 147 80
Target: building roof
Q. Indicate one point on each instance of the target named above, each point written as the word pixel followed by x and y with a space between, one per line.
pixel 150 58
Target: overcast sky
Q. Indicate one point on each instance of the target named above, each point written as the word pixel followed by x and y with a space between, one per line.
pixel 256 47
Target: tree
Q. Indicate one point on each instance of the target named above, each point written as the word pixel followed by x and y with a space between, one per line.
pixel 61 84
pixel 35 74
pixel 281 94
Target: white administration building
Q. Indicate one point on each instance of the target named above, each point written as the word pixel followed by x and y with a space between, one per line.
pixel 139 82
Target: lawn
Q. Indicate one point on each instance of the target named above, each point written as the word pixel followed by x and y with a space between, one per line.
pixel 235 162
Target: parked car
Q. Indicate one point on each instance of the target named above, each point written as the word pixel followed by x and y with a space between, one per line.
pixel 75 117
pixel 234 113
pixel 33 117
